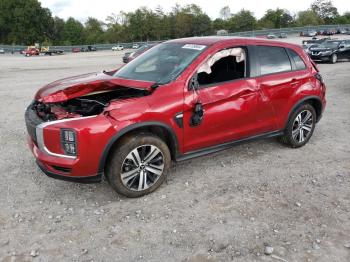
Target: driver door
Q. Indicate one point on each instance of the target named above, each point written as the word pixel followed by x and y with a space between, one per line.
pixel 232 110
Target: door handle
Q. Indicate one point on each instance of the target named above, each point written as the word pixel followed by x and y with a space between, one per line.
pixel 294 82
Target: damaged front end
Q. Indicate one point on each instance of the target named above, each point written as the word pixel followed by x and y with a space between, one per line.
pixel 87 105
pixel 84 95
pixel 69 122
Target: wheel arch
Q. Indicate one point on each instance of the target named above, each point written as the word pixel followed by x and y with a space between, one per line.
pixel 160 129
pixel 315 101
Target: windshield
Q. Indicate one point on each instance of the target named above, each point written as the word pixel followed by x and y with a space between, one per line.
pixel 162 63
pixel 333 44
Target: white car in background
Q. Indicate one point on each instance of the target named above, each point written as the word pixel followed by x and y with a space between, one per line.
pixel 117 48
pixel 135 46
pixel 2 51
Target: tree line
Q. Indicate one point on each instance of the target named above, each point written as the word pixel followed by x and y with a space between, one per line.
pixel 27 22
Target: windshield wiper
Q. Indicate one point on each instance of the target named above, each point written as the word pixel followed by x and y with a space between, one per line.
pixel 156 85
pixel 110 73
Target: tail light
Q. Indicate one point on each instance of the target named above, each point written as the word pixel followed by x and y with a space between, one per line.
pixel 319 77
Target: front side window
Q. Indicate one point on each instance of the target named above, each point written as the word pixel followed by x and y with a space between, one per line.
pixel 162 63
pixel 225 65
pixel 346 43
pixel 273 60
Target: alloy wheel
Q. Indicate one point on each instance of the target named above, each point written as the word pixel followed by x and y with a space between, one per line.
pixel 142 167
pixel 302 126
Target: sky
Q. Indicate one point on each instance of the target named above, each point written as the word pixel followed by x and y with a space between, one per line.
pixel 81 9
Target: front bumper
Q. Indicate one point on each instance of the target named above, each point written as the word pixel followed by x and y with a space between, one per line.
pixel 93 133
pixel 58 168
pixel 325 58
pixel 84 180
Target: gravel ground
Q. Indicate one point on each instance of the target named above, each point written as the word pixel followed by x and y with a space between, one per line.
pixel 236 205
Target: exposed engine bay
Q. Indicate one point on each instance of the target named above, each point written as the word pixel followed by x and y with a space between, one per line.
pixel 87 105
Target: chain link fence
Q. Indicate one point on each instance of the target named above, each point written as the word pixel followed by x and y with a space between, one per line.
pixel 289 30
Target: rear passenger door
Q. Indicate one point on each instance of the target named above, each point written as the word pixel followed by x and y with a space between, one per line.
pixel 280 72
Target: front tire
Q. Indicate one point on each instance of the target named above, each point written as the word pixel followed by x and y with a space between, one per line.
pixel 300 126
pixel 139 165
pixel 333 59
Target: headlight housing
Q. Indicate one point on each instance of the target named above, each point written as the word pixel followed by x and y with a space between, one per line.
pixel 68 141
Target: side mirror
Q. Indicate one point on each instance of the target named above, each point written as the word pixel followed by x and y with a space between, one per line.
pixel 193 84
pixel 341 46
pixel 197 115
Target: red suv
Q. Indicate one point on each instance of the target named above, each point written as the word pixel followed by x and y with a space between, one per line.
pixel 181 99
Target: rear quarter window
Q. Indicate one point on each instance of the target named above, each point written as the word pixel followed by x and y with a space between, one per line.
pixel 273 59
pixel 299 63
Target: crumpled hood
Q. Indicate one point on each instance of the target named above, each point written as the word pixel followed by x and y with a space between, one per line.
pixel 68 88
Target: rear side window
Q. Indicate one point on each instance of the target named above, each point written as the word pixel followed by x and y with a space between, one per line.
pixel 299 63
pixel 273 60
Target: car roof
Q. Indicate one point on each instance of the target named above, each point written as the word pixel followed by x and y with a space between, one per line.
pixel 213 40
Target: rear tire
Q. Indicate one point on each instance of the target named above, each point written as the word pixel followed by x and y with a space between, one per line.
pixel 300 126
pixel 139 165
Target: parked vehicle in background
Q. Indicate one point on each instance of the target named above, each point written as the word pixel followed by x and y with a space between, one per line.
pixel 181 99
pixel 44 50
pixel 329 32
pixel 341 31
pixel 271 36
pixel 132 55
pixel 315 40
pixel 309 33
pixel 31 51
pixel 88 48
pixel 125 57
pixel 307 47
pixel 283 35
pixel 135 46
pixel 222 32
pixel 117 48
pixel 320 32
pixel 331 51
pixel 2 51
pixel 76 49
